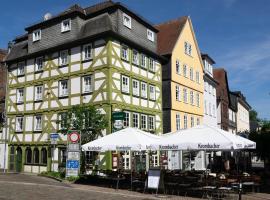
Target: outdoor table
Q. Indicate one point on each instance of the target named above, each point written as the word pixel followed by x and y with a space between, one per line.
pixel 251 184
pixel 208 191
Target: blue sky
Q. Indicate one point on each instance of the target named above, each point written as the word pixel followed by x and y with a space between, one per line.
pixel 235 33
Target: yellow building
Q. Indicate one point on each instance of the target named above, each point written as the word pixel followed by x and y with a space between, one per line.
pixel 182 76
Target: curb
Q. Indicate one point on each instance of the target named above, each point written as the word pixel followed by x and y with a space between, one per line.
pixel 51 177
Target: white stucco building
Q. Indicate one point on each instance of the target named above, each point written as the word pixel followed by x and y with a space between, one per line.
pixel 210 101
pixel 242 115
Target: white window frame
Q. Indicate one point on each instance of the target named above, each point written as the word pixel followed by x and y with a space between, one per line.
pixel 198 77
pixel 185 95
pixel 38 123
pixel 177 67
pixel 39 67
pixel 124 52
pixel 191 97
pixel 150 35
pixel 19 124
pixel 125 84
pixel 152 65
pixel 210 109
pixel 188 48
pixel 152 92
pixel 178 121
pixel 185 69
pixel 143 61
pixel 21 68
pixel 177 93
pixel 86 54
pixel 185 121
pixel 135 87
pixel 20 98
pixel 138 120
pixel 143 91
pixel 151 122
pixel 126 20
pixel 36 35
pixel 205 107
pixel 63 92
pixel 65 28
pixel 198 121
pixel 198 99
pixel 143 122
pixel 38 95
pixel 87 88
pixel 126 121
pixel 135 57
pixel 191 74
pixel 62 60
pixel 192 121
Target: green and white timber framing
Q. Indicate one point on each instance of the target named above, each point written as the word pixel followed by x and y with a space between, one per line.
pixel 111 87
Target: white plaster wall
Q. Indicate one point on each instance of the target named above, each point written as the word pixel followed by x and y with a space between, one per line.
pixel 215 117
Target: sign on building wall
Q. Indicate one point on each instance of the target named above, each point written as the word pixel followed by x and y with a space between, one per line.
pixel 117 120
pixel 73 153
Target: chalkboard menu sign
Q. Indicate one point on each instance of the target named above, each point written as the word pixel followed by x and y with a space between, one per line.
pixel 153 178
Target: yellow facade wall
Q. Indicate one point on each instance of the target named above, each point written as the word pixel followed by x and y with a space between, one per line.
pixel 193 61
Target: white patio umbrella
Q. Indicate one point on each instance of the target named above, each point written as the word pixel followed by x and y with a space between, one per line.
pixel 202 138
pixel 124 140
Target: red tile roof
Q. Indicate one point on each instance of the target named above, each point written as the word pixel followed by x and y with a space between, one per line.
pixel 168 34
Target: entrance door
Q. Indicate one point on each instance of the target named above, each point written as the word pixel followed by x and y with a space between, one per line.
pixel 19 160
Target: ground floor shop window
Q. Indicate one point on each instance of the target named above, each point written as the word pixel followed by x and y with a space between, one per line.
pixel 28 154
pixel 36 156
pixel 63 156
pixel 126 160
pixel 12 158
pixel 43 156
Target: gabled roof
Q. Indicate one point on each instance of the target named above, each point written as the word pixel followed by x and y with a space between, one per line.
pixel 91 11
pixel 219 74
pixel 168 34
pixel 206 56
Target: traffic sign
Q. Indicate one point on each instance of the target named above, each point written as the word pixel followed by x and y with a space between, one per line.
pixel 73 164
pixel 74 137
pixel 53 138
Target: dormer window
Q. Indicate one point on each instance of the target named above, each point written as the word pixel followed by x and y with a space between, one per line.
pixel 150 35
pixel 127 20
pixel 36 35
pixel 66 25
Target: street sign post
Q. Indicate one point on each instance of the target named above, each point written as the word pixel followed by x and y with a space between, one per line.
pixel 53 138
pixel 73 153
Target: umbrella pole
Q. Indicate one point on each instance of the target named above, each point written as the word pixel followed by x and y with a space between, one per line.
pixel 131 170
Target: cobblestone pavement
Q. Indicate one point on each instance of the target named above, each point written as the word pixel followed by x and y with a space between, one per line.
pixel 32 187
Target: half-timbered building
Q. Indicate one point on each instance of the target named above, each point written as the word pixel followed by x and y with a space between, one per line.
pixel 103 55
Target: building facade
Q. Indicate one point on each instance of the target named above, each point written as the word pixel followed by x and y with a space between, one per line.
pixel 102 55
pixel 182 82
pixel 232 113
pixel 182 76
pixel 3 75
pixel 243 108
pixel 210 98
pixel 223 99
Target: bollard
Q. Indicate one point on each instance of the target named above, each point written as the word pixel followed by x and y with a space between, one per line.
pixel 240 191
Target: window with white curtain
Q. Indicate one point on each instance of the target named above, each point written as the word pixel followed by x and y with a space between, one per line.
pixel 178 121
pixel 125 84
pixel 63 88
pixel 143 89
pixel 135 87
